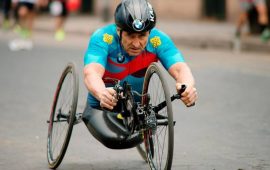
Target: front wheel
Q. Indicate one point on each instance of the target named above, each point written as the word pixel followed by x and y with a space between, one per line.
pixel 62 116
pixel 159 143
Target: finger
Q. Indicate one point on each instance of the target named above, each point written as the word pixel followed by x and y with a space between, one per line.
pixel 111 91
pixel 186 102
pixel 178 86
pixel 107 100
pixel 108 96
pixel 194 95
pixel 105 105
pixel 110 101
pixel 191 101
pixel 186 97
pixel 189 92
pixel 190 105
pixel 191 98
pixel 114 100
pixel 111 95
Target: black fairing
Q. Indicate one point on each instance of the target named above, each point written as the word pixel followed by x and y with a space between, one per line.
pixel 107 129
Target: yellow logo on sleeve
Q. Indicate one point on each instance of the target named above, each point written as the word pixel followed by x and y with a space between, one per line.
pixel 155 41
pixel 107 38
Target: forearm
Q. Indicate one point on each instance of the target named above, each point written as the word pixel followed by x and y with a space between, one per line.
pixel 93 82
pixel 182 74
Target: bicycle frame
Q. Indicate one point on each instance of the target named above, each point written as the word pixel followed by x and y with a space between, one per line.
pixel 146 116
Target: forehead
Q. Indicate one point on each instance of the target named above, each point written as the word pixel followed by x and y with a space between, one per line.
pixel 136 33
pixel 132 33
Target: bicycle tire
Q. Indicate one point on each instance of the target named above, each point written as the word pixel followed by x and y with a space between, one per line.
pixel 61 103
pixel 142 152
pixel 152 151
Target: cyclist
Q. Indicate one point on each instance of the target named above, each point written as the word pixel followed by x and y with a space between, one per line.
pixel 123 51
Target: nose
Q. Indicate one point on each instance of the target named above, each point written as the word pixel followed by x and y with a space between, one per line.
pixel 136 42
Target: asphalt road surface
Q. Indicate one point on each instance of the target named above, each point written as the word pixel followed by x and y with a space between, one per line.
pixel 228 129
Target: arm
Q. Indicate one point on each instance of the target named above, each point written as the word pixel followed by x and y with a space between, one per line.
pixel 180 71
pixel 93 81
pixel 172 59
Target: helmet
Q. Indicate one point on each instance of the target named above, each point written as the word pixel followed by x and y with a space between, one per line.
pixel 135 16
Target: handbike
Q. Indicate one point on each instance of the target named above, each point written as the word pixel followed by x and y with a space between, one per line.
pixel 151 118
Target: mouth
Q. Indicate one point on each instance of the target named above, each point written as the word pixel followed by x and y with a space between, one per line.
pixel 136 50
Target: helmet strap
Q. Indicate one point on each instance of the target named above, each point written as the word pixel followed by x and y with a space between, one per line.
pixel 120 34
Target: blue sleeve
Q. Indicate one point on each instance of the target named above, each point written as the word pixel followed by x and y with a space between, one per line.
pixel 167 52
pixel 97 51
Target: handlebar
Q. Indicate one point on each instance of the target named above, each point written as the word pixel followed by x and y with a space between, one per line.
pixel 120 90
pixel 179 93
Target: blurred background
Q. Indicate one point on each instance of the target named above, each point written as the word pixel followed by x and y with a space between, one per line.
pixel 228 129
pixel 187 21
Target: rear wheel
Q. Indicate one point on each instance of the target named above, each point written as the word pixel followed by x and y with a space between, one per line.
pixel 159 143
pixel 62 116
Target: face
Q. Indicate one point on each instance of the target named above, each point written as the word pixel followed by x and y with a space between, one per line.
pixel 134 43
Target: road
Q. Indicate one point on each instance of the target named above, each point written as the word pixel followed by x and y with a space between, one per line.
pixel 227 129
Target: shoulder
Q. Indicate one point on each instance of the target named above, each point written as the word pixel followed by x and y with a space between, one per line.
pixel 106 34
pixel 158 32
pixel 162 45
pixel 157 39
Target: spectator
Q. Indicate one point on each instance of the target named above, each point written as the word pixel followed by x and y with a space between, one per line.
pixel 6 14
pixel 26 15
pixel 263 19
pixel 59 10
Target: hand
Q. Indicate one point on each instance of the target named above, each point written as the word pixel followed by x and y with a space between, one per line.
pixel 108 98
pixel 189 96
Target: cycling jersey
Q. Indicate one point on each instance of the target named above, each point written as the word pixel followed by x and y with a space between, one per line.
pixel 104 48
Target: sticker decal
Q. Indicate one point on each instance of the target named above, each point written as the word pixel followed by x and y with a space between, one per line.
pixel 107 38
pixel 151 11
pixel 138 24
pixel 155 41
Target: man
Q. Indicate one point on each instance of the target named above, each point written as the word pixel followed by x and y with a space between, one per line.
pixel 6 14
pixel 58 9
pixel 26 17
pixel 132 43
pixel 263 19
